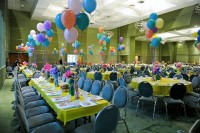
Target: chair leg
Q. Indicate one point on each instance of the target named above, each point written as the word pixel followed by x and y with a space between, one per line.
pixel 154 109
pixel 184 111
pixel 137 106
pixel 166 110
pixel 126 126
pixel 197 112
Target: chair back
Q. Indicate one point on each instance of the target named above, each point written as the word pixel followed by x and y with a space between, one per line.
pixel 195 127
pixel 87 85
pixel 145 89
pixel 37 74
pixel 132 70
pixel 177 91
pixel 140 74
pixel 80 82
pixel 97 76
pixel 82 74
pixel 185 76
pixel 192 76
pixel 9 69
pixel 120 97
pixel 113 76
pixel 22 118
pixel 171 75
pixel 122 82
pixel 96 87
pixel 127 78
pixel 107 119
pixel 163 74
pixel 195 82
pixel 107 92
pixel 147 73
pixel 178 76
pixel 21 75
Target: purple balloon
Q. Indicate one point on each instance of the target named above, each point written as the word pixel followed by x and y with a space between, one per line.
pixel 40 37
pixel 71 35
pixel 121 39
pixel 154 30
pixel 75 5
pixel 47 25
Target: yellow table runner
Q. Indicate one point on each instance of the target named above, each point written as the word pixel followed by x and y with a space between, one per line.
pixel 161 87
pixel 66 115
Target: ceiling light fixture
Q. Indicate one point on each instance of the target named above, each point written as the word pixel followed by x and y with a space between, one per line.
pixel 139 24
pixel 197 9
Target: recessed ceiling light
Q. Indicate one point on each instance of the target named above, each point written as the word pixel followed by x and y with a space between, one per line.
pixel 22 5
pixel 131 5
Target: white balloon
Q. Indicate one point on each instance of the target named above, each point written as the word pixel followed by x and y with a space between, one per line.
pixel 34 37
pixel 32 32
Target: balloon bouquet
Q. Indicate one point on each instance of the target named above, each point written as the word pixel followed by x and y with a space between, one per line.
pixel 103 41
pixel 121 47
pixel 67 19
pixel 197 42
pixel 90 47
pixel 153 24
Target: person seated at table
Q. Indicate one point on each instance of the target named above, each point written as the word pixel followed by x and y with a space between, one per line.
pixel 60 61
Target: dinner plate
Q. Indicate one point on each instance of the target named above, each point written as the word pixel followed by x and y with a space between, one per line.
pixel 87 103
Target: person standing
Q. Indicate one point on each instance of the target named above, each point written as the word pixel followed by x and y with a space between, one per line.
pixel 7 62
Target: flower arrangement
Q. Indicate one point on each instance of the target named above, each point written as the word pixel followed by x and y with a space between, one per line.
pixel 156 71
pixel 54 73
pixel 25 63
pixel 68 74
pixel 178 67
pixel 47 67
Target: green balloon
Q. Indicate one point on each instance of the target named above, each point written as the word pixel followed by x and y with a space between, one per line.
pixel 99 36
pixel 151 45
pixel 82 21
pixel 37 43
pixel 195 43
pixel 104 44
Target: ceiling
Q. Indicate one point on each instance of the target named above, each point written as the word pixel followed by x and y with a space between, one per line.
pixel 109 13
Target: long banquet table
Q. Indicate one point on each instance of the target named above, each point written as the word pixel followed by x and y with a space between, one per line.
pixel 161 87
pixel 67 110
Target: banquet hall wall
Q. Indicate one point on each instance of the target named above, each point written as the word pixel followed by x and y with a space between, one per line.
pixel 21 24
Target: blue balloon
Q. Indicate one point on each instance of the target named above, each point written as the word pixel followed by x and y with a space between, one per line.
pixel 122 48
pixel 198 38
pixel 33 43
pixel 89 5
pixel 59 22
pixel 90 52
pixel 30 54
pixel 50 33
pixel 151 24
pixel 28 44
pixel 155 42
pixel 19 47
pixel 45 43
pixel 153 16
pixel 82 21
pixel 199 32
pixel 76 44
pixel 29 50
pixel 119 49
pixel 30 38
pixel 103 38
pixel 160 39
pixel 112 53
pixel 107 40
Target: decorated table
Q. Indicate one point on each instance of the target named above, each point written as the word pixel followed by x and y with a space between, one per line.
pixel 28 73
pixel 161 87
pixel 66 107
pixel 105 75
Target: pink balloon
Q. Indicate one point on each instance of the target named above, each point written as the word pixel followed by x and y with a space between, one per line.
pixel 71 35
pixel 40 27
pixel 34 37
pixel 149 33
pixel 75 6
pixel 198 46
